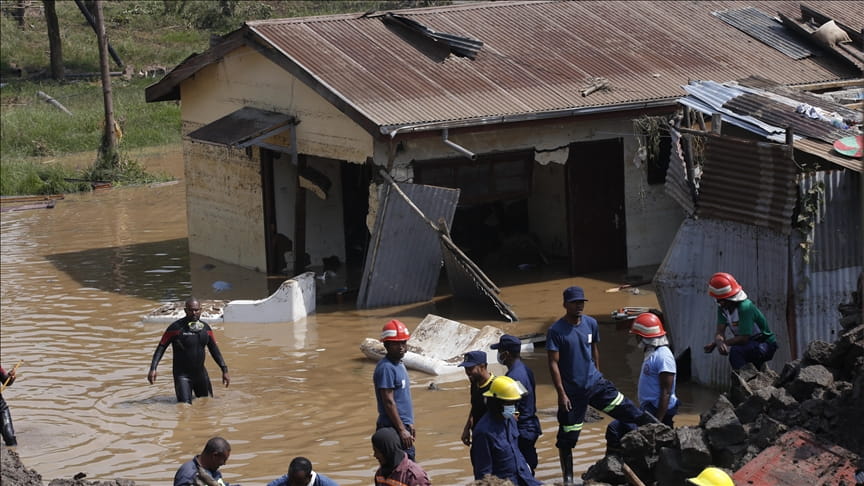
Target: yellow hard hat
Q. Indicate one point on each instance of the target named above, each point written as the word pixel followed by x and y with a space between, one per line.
pixel 712 476
pixel 505 388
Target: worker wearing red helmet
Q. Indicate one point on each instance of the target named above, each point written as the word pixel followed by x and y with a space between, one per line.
pixel 393 386
pixel 752 340
pixel 656 380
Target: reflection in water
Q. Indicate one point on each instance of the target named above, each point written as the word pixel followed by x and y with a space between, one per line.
pixel 77 279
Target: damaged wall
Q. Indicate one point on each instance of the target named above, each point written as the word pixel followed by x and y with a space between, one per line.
pixel 651 217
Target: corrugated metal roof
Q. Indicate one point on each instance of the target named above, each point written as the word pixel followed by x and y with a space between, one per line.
pixel 828 275
pixel 241 127
pixel 757 257
pixel 783 115
pixel 764 28
pixel 748 181
pixel 676 183
pixel 536 57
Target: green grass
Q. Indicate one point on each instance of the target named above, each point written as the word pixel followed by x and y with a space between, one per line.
pixel 143 33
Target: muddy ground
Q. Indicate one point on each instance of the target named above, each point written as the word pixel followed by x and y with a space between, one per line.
pixel 15 473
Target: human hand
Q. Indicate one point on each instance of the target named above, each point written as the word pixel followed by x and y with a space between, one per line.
pixel 709 347
pixel 466 436
pixel 407 438
pixel 564 402
pixel 722 348
pixel 151 377
pixel 226 380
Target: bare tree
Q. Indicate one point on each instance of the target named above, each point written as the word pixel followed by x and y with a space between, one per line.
pixel 55 45
pixel 108 149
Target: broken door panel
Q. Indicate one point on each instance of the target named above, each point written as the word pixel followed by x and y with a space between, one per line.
pixel 403 261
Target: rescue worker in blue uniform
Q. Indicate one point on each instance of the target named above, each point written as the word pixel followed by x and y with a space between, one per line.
pixel 393 386
pixel 510 355
pixel 495 446
pixel 574 361
pixel 188 338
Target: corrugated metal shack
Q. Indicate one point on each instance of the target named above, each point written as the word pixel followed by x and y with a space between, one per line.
pixel 786 223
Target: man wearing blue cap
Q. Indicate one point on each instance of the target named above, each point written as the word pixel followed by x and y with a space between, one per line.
pixel 574 361
pixel 509 354
pixel 480 378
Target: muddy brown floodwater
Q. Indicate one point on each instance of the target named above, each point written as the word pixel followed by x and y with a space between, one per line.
pixel 77 279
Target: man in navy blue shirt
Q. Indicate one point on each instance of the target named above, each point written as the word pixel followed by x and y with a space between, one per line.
pixel 574 363
pixel 495 448
pixel 204 468
pixel 480 378
pixel 509 354
pixel 393 387
pixel 300 473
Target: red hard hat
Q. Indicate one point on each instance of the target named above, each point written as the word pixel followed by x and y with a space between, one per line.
pixel 723 285
pixel 647 325
pixel 395 331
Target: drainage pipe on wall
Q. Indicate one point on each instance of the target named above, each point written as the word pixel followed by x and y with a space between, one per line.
pixel 455 146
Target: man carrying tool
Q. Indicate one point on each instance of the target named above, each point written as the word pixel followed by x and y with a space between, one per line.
pixel 571 346
pixel 6 428
pixel 752 340
pixel 188 338
pixel 393 386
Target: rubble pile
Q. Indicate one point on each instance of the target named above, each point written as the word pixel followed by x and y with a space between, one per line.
pixel 823 392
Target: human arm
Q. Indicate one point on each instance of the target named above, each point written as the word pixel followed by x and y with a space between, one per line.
pixel 217 357
pixel 719 340
pixel 157 356
pixel 667 381
pixel 466 432
pixel 280 481
pixel 481 456
pixel 4 376
pixel 406 432
pixel 555 372
pixel 595 354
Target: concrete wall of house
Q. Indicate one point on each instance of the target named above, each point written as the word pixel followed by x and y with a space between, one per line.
pixel 225 211
pixel 224 204
pixel 652 218
pixel 325 235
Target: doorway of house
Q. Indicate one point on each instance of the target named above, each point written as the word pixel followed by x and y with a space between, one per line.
pixel 595 206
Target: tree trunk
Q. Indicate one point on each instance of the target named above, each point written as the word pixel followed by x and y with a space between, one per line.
pixel 55 45
pixel 108 150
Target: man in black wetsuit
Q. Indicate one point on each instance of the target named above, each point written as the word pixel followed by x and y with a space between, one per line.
pixel 188 337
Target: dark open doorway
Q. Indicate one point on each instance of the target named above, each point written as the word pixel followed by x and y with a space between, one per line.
pixel 595 206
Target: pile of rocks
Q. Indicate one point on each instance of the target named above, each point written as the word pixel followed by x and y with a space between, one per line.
pixel 14 473
pixel 823 393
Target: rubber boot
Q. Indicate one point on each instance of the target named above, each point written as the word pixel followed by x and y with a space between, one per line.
pixel 566 458
pixel 7 431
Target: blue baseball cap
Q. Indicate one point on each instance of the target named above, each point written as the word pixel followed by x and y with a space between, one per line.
pixel 574 293
pixel 508 343
pixel 473 358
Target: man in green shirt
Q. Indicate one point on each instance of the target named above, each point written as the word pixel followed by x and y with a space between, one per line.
pixel 752 340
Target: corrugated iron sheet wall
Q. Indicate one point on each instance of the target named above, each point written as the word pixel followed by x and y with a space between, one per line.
pixel 756 256
pixel 749 182
pixel 826 274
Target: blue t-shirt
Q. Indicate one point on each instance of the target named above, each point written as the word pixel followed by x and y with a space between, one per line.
pixel 318 480
pixel 575 359
pixel 394 376
pixel 660 361
pixel 528 423
pixel 495 451
pixel 188 473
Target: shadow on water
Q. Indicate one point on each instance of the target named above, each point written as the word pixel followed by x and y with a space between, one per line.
pixel 155 271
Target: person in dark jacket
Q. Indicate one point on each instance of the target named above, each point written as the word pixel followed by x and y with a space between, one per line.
pixel 396 468
pixel 300 473
pixel 510 355
pixel 480 378
pixel 6 428
pixel 495 448
pixel 203 469
pixel 188 338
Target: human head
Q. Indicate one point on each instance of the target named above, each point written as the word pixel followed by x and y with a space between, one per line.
pixel 723 286
pixel 509 347
pixel 504 391
pixel 299 472
pixel 474 363
pixel 215 453
pixel 387 448
pixel 193 309
pixel 711 476
pixel 574 301
pixel 395 337
pixel 647 325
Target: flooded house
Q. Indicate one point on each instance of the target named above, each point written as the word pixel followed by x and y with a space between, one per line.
pixel 507 125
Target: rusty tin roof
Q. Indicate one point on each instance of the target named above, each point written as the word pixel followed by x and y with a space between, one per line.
pixel 535 58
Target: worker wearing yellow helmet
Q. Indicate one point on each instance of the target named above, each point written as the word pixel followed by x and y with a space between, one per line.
pixel 712 476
